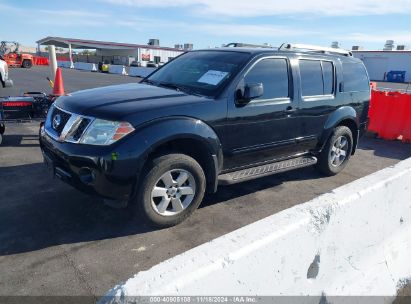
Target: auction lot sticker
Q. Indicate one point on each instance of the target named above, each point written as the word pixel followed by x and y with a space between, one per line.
pixel 212 77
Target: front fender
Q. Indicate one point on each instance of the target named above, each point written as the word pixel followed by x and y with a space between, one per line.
pixel 341 114
pixel 153 134
pixel 157 132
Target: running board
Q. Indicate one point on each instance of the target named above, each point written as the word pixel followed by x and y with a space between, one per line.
pixel 264 170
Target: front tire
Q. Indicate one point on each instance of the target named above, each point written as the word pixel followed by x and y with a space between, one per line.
pixel 171 190
pixel 337 151
pixel 27 64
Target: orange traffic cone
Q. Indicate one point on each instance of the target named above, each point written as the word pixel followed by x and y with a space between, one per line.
pixel 58 88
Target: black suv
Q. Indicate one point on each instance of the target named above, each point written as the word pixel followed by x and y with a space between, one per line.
pixel 209 117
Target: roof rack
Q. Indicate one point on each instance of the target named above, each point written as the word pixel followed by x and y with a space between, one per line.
pixel 313 48
pixel 240 44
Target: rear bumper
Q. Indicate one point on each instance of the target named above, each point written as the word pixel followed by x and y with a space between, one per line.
pixel 91 169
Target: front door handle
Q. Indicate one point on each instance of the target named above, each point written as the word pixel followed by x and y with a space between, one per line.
pixel 290 110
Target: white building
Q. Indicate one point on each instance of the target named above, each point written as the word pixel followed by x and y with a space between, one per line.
pixel 118 53
pixel 380 63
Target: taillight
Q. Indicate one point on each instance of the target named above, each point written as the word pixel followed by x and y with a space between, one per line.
pixel 16 104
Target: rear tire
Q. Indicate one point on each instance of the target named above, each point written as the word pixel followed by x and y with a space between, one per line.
pixel 171 190
pixel 336 153
pixel 27 64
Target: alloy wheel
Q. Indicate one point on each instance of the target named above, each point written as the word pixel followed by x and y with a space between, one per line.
pixel 173 192
pixel 339 151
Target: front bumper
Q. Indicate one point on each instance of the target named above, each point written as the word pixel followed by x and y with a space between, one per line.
pixel 91 169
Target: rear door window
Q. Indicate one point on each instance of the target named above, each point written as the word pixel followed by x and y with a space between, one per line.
pixel 317 77
pixel 311 78
pixel 355 77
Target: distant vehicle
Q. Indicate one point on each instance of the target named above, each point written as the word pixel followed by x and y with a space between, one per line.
pixel 209 117
pixel 104 66
pixel 152 64
pixel 4 74
pixel 135 64
pixel 161 64
pixel 11 54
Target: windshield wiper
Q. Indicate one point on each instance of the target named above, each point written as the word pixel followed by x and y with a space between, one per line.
pixel 179 88
pixel 150 82
pixel 172 86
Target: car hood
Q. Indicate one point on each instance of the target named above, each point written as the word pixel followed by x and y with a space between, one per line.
pixel 119 101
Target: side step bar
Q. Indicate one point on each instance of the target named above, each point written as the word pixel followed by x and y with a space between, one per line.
pixel 264 170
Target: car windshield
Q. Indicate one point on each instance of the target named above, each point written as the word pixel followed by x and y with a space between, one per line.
pixel 200 72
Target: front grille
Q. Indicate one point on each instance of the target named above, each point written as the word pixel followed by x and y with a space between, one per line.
pixel 65 126
pixel 59 119
pixel 80 129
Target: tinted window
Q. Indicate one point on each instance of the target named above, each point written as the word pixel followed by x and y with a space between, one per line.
pixel 201 72
pixel 273 74
pixel 311 78
pixel 328 77
pixel 317 77
pixel 355 77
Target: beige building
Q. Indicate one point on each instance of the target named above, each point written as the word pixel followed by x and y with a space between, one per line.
pixel 113 52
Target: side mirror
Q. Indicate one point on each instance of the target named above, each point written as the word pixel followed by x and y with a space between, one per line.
pixel 251 91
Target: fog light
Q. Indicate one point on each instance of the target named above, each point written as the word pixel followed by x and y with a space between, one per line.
pixel 87 176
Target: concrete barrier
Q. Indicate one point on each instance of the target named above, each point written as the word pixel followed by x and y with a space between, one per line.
pixel 65 64
pixel 85 66
pixel 117 69
pixel 140 71
pixel 355 240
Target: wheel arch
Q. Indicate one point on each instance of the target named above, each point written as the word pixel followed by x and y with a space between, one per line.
pixel 185 135
pixel 344 116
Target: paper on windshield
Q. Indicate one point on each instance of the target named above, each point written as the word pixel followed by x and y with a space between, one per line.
pixel 212 77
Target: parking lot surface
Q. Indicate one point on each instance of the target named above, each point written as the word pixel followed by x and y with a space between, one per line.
pixel 55 240
pixel 34 79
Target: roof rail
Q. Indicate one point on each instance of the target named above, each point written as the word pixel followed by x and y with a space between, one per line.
pixel 313 48
pixel 240 44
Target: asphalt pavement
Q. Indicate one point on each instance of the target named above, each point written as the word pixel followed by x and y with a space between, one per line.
pixel 35 79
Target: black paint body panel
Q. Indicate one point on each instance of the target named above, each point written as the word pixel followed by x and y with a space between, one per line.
pixel 235 136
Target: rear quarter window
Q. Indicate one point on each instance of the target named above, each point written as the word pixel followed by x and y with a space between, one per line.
pixel 355 77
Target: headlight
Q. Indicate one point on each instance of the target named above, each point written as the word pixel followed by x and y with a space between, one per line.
pixel 104 132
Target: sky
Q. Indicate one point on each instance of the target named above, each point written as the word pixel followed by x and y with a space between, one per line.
pixel 210 23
